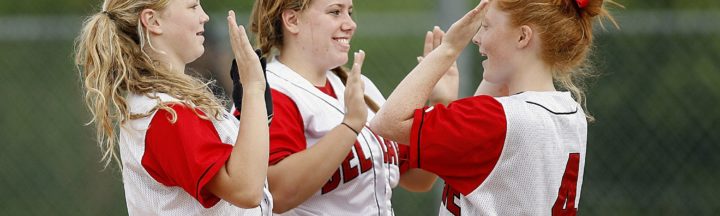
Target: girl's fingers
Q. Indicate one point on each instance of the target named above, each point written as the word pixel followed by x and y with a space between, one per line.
pixel 472 17
pixel 461 31
pixel 244 41
pixel 440 34
pixel 362 86
pixel 437 36
pixel 475 15
pixel 231 18
pixel 483 4
pixel 238 37
pixel 354 80
pixel 233 31
pixel 428 43
pixel 357 64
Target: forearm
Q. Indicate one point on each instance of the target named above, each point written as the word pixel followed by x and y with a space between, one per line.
pixel 451 84
pixel 247 166
pixel 394 120
pixel 417 180
pixel 311 168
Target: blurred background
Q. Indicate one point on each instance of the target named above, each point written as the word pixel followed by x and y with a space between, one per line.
pixel 656 98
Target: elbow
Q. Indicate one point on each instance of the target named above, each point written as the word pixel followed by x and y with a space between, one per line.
pixel 285 197
pixel 284 188
pixel 378 125
pixel 384 129
pixel 284 200
pixel 417 180
pixel 247 199
pixel 280 207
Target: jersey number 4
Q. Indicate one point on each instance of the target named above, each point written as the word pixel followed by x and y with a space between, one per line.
pixel 565 204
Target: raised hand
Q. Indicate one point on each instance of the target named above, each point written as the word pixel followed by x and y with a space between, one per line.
pixel 248 63
pixel 446 90
pixel 460 33
pixel 237 92
pixel 356 109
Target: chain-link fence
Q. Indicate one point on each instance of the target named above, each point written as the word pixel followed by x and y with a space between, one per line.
pixel 651 151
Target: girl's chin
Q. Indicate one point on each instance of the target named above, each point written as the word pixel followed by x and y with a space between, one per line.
pixel 339 60
pixel 196 55
pixel 490 77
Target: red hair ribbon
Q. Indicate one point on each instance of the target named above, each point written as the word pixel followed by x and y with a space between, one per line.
pixel 582 3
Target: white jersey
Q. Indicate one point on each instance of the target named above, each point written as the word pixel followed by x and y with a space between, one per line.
pixel 363 184
pixel 517 155
pixel 144 194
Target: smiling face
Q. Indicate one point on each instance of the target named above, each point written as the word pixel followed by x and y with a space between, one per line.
pixel 498 41
pixel 326 28
pixel 182 23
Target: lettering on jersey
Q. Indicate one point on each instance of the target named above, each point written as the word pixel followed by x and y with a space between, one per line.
pixel 348 171
pixel 448 199
pixel 332 183
pixel 390 150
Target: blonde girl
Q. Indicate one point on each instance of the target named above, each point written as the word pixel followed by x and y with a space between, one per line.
pixel 181 153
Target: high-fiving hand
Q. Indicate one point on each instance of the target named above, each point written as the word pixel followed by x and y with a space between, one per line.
pixel 446 90
pixel 248 63
pixel 355 106
pixel 462 31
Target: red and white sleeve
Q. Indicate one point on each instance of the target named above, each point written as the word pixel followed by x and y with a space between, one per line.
pixel 187 153
pixel 287 132
pixel 461 143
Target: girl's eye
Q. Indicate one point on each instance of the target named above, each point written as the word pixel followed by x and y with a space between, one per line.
pixel 335 12
pixel 195 6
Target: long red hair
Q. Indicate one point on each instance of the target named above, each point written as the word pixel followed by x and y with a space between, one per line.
pixel 566 32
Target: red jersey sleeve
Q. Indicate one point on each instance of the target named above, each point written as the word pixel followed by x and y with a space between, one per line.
pixel 287 131
pixel 403 158
pixel 461 143
pixel 186 154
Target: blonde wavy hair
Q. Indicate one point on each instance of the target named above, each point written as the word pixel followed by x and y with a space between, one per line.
pixel 112 62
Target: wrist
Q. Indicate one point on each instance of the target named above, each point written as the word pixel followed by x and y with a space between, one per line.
pixel 356 125
pixel 449 51
pixel 356 131
pixel 254 88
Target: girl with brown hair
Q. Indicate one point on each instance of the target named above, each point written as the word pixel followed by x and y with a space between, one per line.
pixel 324 160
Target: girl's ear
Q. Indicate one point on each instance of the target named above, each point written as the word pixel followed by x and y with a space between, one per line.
pixel 149 20
pixel 290 21
pixel 526 34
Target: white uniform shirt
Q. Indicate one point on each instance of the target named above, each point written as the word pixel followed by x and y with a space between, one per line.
pixel 517 155
pixel 142 176
pixel 363 183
